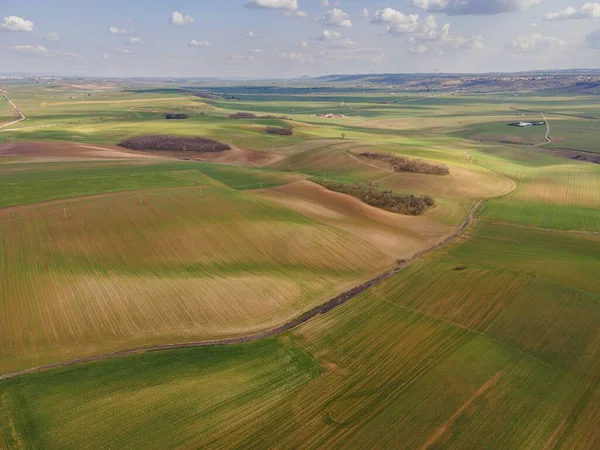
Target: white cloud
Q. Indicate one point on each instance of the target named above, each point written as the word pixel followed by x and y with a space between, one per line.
pixel 296 13
pixel 352 53
pixel 418 49
pixel 424 35
pixel 327 35
pixel 448 43
pixel 303 44
pixel 396 21
pixel 325 3
pixel 293 56
pixel 343 43
pixel 474 7
pixel 337 18
pixel 134 41
pixel 236 57
pixel 300 58
pixel 365 12
pixel 180 19
pixel 195 43
pixel 592 40
pixel 250 34
pixel 52 37
pixel 14 23
pixel 587 11
pixel 242 57
pixel 532 43
pixel 30 49
pixel 290 5
pixel 123 51
pixel 116 30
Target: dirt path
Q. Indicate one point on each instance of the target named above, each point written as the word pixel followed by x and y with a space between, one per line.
pixel 321 309
pixel 547 137
pixel 16 108
pixel 512 108
pixel 482 390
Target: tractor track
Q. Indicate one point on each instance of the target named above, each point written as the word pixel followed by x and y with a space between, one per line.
pixel 22 116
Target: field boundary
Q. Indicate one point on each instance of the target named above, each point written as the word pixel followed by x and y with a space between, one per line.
pixel 16 108
pixel 324 308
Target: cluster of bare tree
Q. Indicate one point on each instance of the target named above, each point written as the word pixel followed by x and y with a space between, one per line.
pixel 382 198
pixel 166 142
pixel 282 131
pixel 172 116
pixel 249 115
pixel 405 164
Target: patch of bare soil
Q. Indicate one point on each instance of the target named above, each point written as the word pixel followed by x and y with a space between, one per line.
pixel 66 151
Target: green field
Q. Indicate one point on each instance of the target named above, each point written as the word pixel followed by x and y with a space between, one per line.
pixel 7 113
pixel 490 341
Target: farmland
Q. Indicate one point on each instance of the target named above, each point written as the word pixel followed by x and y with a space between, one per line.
pixel 489 341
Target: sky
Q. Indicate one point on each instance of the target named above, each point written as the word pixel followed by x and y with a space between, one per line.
pixel 292 38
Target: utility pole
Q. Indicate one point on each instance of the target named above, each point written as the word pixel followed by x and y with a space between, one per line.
pixel 140 199
pixel 65 211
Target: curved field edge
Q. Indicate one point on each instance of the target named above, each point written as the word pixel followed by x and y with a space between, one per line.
pixel 551 193
pixel 27 183
pixel 165 267
pixel 437 363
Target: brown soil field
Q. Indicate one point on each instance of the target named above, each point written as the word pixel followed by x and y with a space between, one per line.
pixel 396 235
pixel 67 151
pixel 468 183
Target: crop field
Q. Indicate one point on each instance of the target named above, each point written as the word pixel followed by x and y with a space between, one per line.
pixel 551 193
pixel 485 334
pixel 449 361
pixel 50 181
pixel 178 260
pixel 7 113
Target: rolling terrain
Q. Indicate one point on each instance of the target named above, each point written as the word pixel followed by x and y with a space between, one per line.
pixel 478 327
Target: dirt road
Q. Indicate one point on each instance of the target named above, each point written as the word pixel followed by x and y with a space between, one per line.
pixel 16 108
pixel 547 137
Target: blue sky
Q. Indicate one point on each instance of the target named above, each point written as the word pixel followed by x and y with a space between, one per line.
pixel 285 38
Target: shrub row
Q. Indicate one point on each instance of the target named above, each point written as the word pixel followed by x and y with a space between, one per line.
pixel 176 116
pixel 404 164
pixel 287 131
pixel 249 115
pixel 382 198
pixel 174 143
